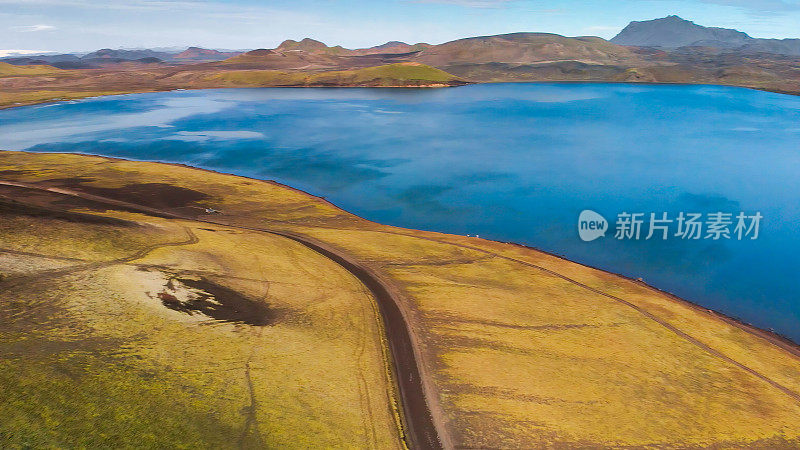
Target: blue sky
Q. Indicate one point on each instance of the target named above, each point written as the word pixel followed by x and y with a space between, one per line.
pixel 82 25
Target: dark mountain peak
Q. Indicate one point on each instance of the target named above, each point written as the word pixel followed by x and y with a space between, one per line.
pixel 104 53
pixel 198 51
pixel 671 19
pixel 390 44
pixel 203 54
pixel 674 32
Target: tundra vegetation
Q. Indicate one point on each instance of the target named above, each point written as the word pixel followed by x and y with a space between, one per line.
pixel 122 328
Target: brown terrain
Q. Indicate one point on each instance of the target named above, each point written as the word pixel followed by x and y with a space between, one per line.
pixel 491 345
pixel 517 57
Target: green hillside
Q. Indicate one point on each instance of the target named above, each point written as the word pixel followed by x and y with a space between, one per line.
pixel 10 70
pixel 400 74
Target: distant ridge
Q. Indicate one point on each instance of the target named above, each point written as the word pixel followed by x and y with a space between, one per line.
pixel 125 55
pixel 524 48
pixel 313 46
pixel 203 54
pixel 392 47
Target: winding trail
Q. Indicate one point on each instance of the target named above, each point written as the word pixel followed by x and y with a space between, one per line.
pixel 419 426
pixel 420 429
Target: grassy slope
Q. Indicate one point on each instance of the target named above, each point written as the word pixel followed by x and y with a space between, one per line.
pixel 9 99
pixel 7 70
pixel 400 74
pixel 92 359
pixel 31 90
pixel 517 356
pixel 12 97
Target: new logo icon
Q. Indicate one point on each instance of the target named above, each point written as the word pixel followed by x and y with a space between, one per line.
pixel 591 225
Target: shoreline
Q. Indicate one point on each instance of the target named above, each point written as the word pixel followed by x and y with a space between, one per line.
pixel 773 337
pixel 67 98
pixel 770 336
pixel 427 86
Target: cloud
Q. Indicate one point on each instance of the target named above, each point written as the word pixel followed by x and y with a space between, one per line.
pixel 13 52
pixel 32 28
pixel 771 6
pixel 756 6
pixel 212 9
pixel 471 3
pixel 111 4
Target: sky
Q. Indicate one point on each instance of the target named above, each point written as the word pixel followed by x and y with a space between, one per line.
pixel 85 25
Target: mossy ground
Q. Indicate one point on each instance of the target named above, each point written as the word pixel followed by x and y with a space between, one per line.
pixel 7 69
pixel 400 74
pixel 521 349
pixel 27 85
pixel 92 358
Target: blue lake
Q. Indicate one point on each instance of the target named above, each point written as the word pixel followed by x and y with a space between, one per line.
pixel 513 162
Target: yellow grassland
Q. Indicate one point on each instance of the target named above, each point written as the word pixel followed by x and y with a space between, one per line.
pixel 521 349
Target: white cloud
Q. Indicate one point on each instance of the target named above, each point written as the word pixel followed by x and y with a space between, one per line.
pixel 32 28
pixel 10 52
pixel 471 3
pixel 764 6
pixel 111 4
pixel 758 7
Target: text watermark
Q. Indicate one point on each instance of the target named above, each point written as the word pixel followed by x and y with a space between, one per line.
pixel 662 226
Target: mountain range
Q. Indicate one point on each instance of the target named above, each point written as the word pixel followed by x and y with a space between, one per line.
pixel 670 33
pixel 666 50
pixel 106 57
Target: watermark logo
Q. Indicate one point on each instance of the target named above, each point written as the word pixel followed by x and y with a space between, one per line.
pixel 685 226
pixel 591 225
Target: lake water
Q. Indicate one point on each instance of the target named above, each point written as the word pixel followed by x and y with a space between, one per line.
pixel 513 162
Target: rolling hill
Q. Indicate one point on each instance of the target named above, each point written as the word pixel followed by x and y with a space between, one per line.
pixel 525 48
pixel 282 59
pixel 9 70
pixel 400 74
pixel 307 45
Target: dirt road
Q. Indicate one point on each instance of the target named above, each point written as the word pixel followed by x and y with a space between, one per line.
pixel 418 422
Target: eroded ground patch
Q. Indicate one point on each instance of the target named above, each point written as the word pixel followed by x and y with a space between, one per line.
pixel 200 296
